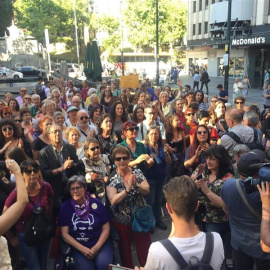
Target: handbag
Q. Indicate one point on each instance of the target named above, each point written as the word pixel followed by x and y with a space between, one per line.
pixel 142 217
pixel 39 227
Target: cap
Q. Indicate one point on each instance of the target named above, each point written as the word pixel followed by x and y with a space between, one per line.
pixel 245 161
pixel 220 86
pixel 71 108
pixel 259 153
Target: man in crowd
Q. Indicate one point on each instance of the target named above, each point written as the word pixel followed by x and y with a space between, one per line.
pixel 234 119
pixel 35 107
pixel 204 80
pixel 149 112
pixel 22 93
pixel 83 125
pixel 245 216
pixel 181 195
pixel 223 94
pixel 58 161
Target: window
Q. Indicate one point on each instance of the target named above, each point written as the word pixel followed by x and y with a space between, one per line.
pixel 194 30
pixel 200 5
pixel 206 4
pixel 200 29
pixel 194 6
pixel 206 27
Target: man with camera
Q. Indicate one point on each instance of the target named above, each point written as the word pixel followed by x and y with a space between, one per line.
pixel 243 204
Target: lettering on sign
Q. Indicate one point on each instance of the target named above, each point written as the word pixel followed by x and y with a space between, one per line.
pixel 248 41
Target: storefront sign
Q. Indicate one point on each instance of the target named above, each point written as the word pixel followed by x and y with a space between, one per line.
pixel 260 40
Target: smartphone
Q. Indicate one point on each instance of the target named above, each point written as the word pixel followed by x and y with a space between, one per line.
pixel 200 176
pixel 117 267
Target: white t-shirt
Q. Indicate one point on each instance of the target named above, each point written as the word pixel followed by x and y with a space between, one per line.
pixel 159 258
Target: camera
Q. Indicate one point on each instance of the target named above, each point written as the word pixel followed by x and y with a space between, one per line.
pixel 264 176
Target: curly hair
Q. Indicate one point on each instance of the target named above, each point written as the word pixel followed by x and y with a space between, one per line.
pixel 100 121
pixel 16 130
pixel 134 117
pixel 42 120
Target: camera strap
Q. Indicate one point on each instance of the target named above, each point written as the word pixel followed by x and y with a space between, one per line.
pixel 253 211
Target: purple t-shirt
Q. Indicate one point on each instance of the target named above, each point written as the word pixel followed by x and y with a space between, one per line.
pixel 86 232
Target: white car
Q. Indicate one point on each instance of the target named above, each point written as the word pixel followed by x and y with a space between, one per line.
pixel 11 74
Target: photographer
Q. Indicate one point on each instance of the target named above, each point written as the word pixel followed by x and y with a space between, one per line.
pixel 243 204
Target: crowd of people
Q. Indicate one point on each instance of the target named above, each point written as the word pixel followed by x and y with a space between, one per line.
pixel 88 156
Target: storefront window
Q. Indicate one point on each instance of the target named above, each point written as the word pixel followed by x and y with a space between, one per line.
pixel 236 67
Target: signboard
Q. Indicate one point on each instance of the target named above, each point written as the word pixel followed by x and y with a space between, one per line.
pixel 225 60
pixel 253 40
pixel 129 81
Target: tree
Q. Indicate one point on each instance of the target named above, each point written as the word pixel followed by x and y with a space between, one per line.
pixel 140 19
pixel 6 14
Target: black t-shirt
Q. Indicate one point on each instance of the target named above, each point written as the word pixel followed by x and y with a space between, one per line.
pixel 38 144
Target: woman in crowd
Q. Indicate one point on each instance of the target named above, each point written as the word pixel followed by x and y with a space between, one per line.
pixel 9 136
pixel 107 100
pixel 199 99
pixel 6 113
pixel 246 86
pixel 159 116
pixel 27 125
pixel 93 119
pixel 119 117
pixel 14 106
pixel 35 256
pixel 138 115
pixel 85 226
pixel 175 138
pixel 50 107
pixel 136 149
pixel 218 117
pixel 72 136
pixel 169 91
pixel 95 102
pixel 166 106
pixel 127 187
pixel 106 137
pixel 97 167
pixel 12 214
pixel 59 119
pixel 2 104
pixel 140 100
pixel 127 106
pixel 189 99
pixel 156 171
pixel 190 122
pixel 114 89
pixel 27 101
pixel 195 153
pixel 43 140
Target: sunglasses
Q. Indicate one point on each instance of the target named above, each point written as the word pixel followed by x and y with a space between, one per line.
pixel 95 148
pixel 201 132
pixel 189 114
pixel 75 189
pixel 121 158
pixel 7 113
pixel 18 120
pixel 214 101
pixel 28 172
pixel 23 90
pixel 132 129
pixel 239 102
pixel 84 117
pixel 7 129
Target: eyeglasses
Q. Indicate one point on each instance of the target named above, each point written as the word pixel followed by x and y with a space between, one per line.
pixel 75 189
pixel 7 129
pixel 239 102
pixel 95 148
pixel 121 158
pixel 56 131
pixel 132 129
pixel 201 132
pixel 84 117
pixel 189 114
pixel 18 120
pixel 28 172
pixel 7 113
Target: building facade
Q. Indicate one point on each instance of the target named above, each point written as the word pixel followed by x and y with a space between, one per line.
pixel 250 37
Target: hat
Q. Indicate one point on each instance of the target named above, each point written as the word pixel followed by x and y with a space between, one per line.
pixel 71 108
pixel 259 153
pixel 91 91
pixel 246 160
pixel 220 86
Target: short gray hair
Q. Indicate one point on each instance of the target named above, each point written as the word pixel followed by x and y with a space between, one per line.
pixel 252 118
pixel 77 179
pixel 35 96
pixel 240 149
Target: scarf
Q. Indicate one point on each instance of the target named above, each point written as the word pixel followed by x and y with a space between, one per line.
pixel 82 211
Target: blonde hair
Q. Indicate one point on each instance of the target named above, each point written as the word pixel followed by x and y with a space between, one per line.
pixel 70 129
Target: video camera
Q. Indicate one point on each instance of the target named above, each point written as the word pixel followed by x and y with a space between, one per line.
pixel 264 176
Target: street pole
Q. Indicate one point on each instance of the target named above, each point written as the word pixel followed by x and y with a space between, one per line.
pixel 228 47
pixel 157 50
pixel 76 31
pixel 122 52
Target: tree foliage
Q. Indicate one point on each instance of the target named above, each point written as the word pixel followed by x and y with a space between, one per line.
pixel 140 18
pixel 6 14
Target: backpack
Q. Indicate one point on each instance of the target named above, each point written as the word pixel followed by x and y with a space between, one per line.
pixel 41 93
pixel 141 125
pixel 252 145
pixel 194 263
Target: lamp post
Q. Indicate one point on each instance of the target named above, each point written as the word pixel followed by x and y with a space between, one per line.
pixel 122 47
pixel 157 50
pixel 76 32
pixel 228 47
